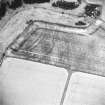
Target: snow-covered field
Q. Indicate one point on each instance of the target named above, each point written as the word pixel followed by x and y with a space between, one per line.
pixel 85 89
pixel 31 83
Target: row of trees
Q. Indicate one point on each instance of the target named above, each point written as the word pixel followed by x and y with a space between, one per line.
pixel 14 4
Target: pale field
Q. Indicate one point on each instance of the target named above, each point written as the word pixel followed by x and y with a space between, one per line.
pixel 30 83
pixel 85 89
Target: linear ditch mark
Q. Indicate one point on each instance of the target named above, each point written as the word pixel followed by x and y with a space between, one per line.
pixel 66 87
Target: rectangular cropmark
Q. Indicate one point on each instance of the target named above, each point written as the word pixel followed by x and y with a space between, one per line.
pixel 45 46
pixel 57 48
